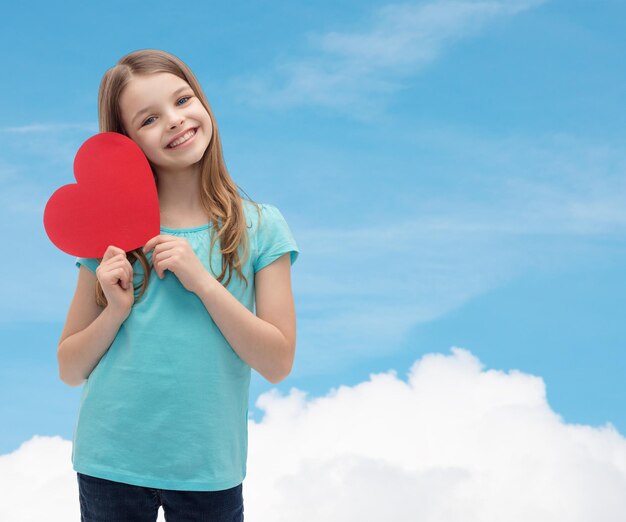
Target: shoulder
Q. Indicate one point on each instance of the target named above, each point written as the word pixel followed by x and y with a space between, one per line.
pixel 259 214
pixel 88 262
pixel 272 235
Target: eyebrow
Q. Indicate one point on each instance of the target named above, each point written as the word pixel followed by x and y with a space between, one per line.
pixel 147 109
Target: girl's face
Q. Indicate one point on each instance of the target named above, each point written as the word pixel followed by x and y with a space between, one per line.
pixel 158 108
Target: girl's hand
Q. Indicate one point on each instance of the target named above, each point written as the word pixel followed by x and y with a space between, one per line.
pixel 175 253
pixel 115 274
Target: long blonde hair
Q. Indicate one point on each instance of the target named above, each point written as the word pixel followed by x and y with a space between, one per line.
pixel 218 192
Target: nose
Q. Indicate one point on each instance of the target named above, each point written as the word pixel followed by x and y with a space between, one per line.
pixel 176 120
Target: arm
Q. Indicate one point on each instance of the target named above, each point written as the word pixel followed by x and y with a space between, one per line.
pixel 89 331
pixel 265 341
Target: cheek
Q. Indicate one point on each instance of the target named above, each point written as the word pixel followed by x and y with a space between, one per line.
pixel 150 144
pixel 143 144
pixel 208 128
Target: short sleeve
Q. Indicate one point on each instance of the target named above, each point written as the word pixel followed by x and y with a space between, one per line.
pixel 274 238
pixel 89 262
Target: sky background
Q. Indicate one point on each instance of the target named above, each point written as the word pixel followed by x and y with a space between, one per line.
pixel 453 173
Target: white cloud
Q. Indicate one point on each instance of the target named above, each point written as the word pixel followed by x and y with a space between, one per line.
pixel 349 70
pixel 453 442
pixel 38 483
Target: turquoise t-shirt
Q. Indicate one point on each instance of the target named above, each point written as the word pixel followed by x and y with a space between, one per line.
pixel 166 407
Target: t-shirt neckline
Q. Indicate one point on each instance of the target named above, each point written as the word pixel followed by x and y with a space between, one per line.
pixel 188 229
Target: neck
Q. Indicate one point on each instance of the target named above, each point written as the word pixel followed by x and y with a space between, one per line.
pixel 179 192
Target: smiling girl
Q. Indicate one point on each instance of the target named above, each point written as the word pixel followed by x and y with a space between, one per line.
pixel 164 337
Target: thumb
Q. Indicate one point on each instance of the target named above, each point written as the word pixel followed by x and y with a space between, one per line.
pixel 127 282
pixel 112 251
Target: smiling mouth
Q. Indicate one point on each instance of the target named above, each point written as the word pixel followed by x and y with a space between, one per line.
pixel 190 138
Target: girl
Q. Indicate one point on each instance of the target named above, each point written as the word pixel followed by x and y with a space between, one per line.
pixel 164 340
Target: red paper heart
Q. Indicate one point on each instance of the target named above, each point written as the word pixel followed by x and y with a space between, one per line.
pixel 114 202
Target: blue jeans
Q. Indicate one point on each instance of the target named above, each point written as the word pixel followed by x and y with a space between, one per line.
pixel 103 500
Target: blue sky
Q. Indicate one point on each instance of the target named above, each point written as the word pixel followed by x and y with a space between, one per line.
pixel 452 172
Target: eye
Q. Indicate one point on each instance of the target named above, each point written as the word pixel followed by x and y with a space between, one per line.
pixel 148 119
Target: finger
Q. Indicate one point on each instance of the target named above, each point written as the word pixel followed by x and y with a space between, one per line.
pixel 161 253
pixel 118 258
pixel 163 266
pixel 113 263
pixel 117 273
pixel 158 240
pixel 156 266
pixel 120 273
pixel 112 251
pixel 164 246
pixel 103 270
pixel 154 262
pixel 151 243
pixel 128 279
pixel 118 276
pixel 160 267
pixel 166 254
pixel 128 271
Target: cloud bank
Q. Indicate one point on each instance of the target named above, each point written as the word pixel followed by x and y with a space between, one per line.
pixel 454 442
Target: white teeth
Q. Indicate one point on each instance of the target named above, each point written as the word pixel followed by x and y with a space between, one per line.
pixel 182 139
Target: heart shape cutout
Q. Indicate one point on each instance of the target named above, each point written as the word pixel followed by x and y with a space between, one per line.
pixel 113 202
